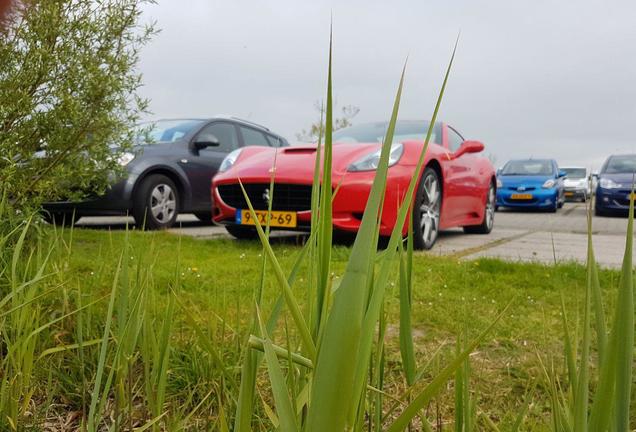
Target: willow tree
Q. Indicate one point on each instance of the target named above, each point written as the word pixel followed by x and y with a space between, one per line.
pixel 68 95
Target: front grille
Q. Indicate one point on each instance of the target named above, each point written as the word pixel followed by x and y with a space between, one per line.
pixel 525 189
pixel 287 197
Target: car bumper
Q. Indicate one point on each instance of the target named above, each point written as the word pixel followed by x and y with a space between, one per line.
pixel 545 198
pixel 117 200
pixel 612 199
pixel 576 193
pixel 348 204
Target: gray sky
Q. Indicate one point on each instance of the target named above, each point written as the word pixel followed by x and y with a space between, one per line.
pixel 531 78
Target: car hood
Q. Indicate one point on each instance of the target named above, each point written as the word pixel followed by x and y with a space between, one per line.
pixel 521 181
pixel 623 179
pixel 294 164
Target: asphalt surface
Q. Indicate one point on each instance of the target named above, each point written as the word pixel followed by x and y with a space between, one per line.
pixel 517 236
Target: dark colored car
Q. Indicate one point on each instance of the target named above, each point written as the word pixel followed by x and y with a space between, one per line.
pixel 615 184
pixel 531 183
pixel 169 171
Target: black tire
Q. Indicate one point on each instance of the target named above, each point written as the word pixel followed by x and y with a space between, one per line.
pixel 599 212
pixel 205 217
pixel 156 202
pixel 240 232
pixel 66 219
pixel 486 225
pixel 554 208
pixel 427 210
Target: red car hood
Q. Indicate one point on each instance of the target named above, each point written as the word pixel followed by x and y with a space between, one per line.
pixel 293 164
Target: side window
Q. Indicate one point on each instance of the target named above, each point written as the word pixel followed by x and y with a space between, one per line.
pixel 252 137
pixel 274 141
pixel 225 133
pixel 454 139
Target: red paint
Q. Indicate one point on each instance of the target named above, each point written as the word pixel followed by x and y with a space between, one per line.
pixel 465 179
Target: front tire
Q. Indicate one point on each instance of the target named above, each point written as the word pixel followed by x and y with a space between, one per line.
pixel 240 232
pixel 156 203
pixel 488 221
pixel 427 210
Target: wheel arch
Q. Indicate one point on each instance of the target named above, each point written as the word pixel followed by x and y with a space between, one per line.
pixel 434 163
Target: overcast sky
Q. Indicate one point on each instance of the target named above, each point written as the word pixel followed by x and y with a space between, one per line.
pixel 531 78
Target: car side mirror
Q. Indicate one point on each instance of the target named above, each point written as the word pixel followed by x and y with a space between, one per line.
pixel 469 147
pixel 205 140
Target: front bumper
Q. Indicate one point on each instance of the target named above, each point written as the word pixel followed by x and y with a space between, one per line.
pixel 612 199
pixel 540 198
pixel 348 204
pixel 117 200
pixel 575 193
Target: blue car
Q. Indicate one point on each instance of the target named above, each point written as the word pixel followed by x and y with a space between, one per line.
pixel 615 185
pixel 531 184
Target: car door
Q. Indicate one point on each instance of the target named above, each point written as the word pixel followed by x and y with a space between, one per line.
pixel 203 164
pixel 462 195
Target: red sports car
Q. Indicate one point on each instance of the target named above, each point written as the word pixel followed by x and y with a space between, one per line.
pixel 456 189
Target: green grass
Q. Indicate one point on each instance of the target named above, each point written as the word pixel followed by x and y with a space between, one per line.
pixel 218 281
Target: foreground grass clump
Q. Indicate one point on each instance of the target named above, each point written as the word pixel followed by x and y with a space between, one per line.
pixel 216 282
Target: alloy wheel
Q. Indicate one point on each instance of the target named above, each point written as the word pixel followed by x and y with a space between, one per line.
pixel 163 203
pixel 490 207
pixel 429 209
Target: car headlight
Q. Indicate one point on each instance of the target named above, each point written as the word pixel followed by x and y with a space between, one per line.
pixel 370 162
pixel 499 184
pixel 229 160
pixel 125 158
pixel 549 183
pixel 606 183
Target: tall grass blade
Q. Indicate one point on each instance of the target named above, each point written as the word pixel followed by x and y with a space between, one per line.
pixel 284 406
pixel 624 331
pixel 325 227
pixel 93 415
pixel 407 349
pixel 336 370
pixel 292 304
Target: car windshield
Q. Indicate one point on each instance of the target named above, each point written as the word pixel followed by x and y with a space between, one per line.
pixel 374 132
pixel 164 130
pixel 621 165
pixel 528 167
pixel 575 173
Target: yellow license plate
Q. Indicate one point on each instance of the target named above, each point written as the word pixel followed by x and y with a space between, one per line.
pixel 569 194
pixel 521 196
pixel 283 219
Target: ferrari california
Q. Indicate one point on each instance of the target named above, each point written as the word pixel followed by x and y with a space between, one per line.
pixel 457 187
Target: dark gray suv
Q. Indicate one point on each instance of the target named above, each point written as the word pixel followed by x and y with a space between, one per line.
pixel 169 171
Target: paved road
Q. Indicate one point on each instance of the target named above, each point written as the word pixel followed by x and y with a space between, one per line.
pixel 526 236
